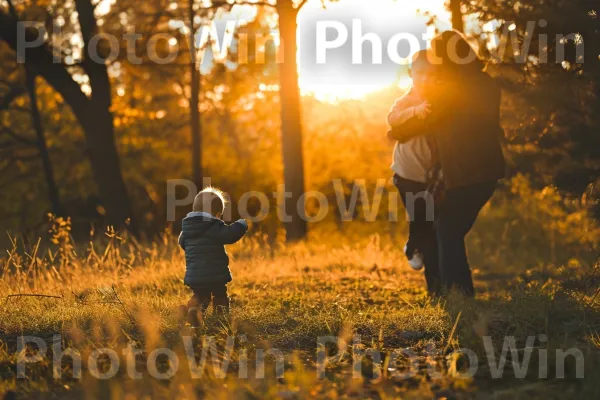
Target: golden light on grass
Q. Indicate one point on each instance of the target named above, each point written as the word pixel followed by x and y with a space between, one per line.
pixel 114 291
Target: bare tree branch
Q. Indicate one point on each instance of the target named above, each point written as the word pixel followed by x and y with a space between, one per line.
pixel 13 94
pixel 16 178
pixel 33 157
pixel 8 145
pixel 11 8
pixel 19 108
pixel 42 62
pixel 15 136
pixel 254 3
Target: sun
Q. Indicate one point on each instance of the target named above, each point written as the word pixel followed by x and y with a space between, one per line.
pixel 343 81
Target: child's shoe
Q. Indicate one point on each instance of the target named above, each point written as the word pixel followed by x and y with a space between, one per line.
pixel 415 258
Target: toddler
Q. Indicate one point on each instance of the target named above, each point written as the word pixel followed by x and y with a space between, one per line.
pixel 203 238
pixel 413 158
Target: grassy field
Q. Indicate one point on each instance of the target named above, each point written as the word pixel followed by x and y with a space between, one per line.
pixel 115 293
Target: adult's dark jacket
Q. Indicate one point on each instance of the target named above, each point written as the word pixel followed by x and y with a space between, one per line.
pixel 465 126
pixel 203 238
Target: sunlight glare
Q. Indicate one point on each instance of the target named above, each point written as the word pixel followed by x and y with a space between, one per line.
pixel 345 85
pixel 404 82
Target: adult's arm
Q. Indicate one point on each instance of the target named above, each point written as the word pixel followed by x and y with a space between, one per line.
pixel 412 128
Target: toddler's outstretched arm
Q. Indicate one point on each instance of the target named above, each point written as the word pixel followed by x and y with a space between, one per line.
pixel 229 234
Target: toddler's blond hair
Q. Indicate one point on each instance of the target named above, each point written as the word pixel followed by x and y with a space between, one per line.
pixel 210 200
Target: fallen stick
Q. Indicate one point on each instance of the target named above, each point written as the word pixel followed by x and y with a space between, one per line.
pixel 48 296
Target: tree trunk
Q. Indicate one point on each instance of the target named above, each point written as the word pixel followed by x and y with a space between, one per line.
pixel 195 127
pixel 106 169
pixel 93 114
pixel 53 194
pixel 98 123
pixel 291 128
pixel 457 16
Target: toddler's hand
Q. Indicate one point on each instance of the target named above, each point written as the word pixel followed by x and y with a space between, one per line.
pixel 423 110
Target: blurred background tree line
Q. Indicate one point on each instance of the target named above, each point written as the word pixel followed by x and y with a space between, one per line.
pixel 98 141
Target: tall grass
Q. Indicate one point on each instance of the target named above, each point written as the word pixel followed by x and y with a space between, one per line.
pixel 113 291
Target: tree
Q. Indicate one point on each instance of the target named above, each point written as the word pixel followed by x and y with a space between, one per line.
pixel 53 194
pixel 289 91
pixel 551 57
pixel 151 18
pixel 291 127
pixel 24 147
pixel 195 121
pixel 93 113
pixel 457 15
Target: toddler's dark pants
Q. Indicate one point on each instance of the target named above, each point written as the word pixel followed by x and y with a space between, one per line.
pixel 203 294
pixel 421 229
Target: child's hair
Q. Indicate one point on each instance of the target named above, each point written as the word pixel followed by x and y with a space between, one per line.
pixel 419 60
pixel 421 57
pixel 210 200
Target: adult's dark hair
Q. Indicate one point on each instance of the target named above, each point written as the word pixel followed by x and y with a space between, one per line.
pixel 453 53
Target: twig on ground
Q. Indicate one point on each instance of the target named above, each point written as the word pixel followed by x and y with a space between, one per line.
pixel 34 295
pixel 47 296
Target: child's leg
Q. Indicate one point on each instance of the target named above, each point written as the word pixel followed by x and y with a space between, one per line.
pixel 421 231
pixel 220 299
pixel 411 193
pixel 412 244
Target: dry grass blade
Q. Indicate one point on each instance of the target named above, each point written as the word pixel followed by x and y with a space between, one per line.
pixel 452 333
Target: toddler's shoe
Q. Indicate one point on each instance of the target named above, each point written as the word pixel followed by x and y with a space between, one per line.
pixel 415 258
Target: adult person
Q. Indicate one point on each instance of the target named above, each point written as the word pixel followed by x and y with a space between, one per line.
pixel 465 125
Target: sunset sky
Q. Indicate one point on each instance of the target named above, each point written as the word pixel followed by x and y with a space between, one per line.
pixel 338 78
pixel 345 82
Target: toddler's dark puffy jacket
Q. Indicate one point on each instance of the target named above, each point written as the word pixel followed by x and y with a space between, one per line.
pixel 203 238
